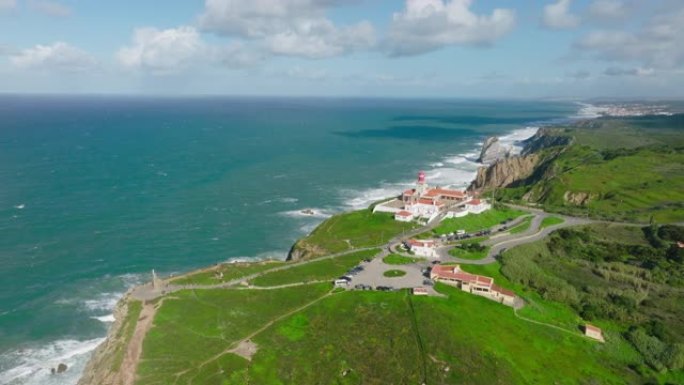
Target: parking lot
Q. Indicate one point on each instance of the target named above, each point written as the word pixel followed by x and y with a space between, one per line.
pixel 372 276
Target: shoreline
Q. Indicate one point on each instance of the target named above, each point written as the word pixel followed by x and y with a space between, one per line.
pixel 512 138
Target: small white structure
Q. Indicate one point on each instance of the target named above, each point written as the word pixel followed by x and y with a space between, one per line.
pixel 592 331
pixel 342 282
pixel 403 216
pixel 425 248
pixel 420 291
pixel 477 206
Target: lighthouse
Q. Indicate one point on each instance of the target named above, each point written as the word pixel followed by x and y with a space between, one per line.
pixel 421 186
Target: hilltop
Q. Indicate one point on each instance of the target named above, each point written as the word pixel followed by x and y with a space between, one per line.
pixel 284 322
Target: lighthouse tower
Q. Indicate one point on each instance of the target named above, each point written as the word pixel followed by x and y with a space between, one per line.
pixel 421 186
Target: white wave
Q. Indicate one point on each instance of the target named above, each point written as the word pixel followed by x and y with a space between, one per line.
pixel 20 206
pixel 105 318
pixel 288 200
pixel 589 111
pixel 308 213
pixel 515 139
pixel 31 366
pixel 104 301
pixel 358 200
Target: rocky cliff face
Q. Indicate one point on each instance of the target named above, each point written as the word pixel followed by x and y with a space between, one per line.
pixel 505 172
pixel 492 150
pixel 509 170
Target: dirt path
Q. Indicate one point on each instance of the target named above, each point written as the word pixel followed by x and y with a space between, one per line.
pixel 129 366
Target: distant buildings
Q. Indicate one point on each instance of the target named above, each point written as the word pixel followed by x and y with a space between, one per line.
pixel 472 283
pixel 428 202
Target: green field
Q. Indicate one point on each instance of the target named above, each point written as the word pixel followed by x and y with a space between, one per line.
pixel 417 339
pixel 351 230
pixel 326 269
pixel 469 251
pixel 394 273
pixel 193 329
pixel 476 222
pixel 550 221
pixel 395 259
pixel 612 276
pixel 522 227
pixel 230 272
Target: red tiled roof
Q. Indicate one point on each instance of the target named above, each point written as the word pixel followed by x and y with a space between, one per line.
pixel 437 192
pixel 409 192
pixel 426 201
pixel 453 272
pixel 592 328
pixel 426 243
pixel 474 202
pixel 404 214
pixel 503 291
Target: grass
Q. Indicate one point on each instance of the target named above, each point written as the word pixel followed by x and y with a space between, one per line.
pixel 315 270
pixel 126 332
pixel 523 226
pixel 475 222
pixel 395 259
pixel 193 327
pixel 462 253
pixel 394 273
pixel 550 221
pixel 230 272
pixel 394 338
pixel 351 230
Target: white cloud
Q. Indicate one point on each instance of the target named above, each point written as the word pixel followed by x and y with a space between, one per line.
pixel 6 5
pixel 287 27
pixel 608 9
pixel 59 56
pixel 558 16
pixel 657 43
pixel 639 71
pixel 163 51
pixel 51 8
pixel 427 25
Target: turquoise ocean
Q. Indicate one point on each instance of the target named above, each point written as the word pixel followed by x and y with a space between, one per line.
pixel 95 192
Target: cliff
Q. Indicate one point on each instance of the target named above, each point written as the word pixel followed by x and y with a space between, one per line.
pixel 505 172
pixel 527 167
pixel 492 150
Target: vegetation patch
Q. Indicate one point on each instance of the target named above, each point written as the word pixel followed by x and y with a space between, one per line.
pixel 193 330
pixel 551 221
pixel 225 272
pixel 325 269
pixel 615 277
pixel 126 331
pixel 394 273
pixel 473 251
pixel 355 229
pixel 395 259
pixel 477 222
pixel 522 227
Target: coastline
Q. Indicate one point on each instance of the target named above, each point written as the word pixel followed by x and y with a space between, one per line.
pixel 96 366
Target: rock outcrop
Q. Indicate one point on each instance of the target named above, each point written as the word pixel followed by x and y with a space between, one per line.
pixel 544 138
pixel 492 150
pixel 505 172
pixel 578 198
pixel 302 250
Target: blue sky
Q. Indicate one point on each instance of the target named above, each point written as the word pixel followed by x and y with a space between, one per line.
pixel 412 48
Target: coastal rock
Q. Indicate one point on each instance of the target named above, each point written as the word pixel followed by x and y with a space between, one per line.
pixel 545 137
pixel 492 150
pixel 61 368
pixel 505 172
pixel 578 198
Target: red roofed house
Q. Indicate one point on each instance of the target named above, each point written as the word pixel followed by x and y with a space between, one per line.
pixel 403 216
pixel 592 331
pixel 424 248
pixel 472 283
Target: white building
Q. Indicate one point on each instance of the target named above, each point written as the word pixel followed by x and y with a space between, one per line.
pixel 423 248
pixel 404 216
pixel 477 206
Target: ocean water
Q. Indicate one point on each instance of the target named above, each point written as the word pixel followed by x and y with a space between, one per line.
pixel 95 192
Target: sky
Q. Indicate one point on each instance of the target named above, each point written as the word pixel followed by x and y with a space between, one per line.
pixel 553 49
